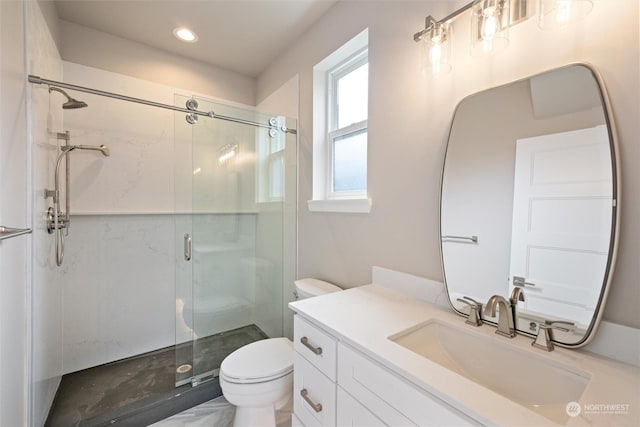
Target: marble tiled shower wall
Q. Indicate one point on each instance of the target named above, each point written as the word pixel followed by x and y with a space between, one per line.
pixel 118 278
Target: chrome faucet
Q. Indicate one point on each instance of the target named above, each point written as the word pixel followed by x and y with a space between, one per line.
pixel 516 295
pixel 505 315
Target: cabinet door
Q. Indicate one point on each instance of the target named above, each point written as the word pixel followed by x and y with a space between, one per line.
pixel 392 398
pixel 314 395
pixel 350 413
pixel 295 421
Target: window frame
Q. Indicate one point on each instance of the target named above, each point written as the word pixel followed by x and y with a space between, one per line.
pixel 333 76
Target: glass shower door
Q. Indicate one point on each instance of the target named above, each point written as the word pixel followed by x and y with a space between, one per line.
pixel 238 230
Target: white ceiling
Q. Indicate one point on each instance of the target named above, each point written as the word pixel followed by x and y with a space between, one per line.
pixel 244 36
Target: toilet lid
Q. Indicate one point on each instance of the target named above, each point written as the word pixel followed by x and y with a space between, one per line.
pixel 259 361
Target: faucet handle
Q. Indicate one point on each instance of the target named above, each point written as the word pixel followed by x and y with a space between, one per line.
pixel 543 338
pixel 475 311
pixel 569 326
pixel 521 282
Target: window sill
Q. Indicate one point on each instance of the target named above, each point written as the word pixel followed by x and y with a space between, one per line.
pixel 340 205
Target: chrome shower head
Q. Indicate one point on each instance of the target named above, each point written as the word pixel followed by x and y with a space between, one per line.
pixel 71 103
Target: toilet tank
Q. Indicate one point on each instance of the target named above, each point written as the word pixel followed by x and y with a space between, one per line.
pixel 308 288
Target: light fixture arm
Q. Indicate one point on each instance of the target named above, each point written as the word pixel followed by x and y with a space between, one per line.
pixel 518 8
pixel 430 21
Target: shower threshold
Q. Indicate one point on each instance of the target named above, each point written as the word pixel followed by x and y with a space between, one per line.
pixel 140 390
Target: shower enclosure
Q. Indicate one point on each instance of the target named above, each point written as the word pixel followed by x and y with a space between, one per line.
pixel 181 245
pixel 235 233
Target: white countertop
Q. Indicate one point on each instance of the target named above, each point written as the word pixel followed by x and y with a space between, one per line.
pixel 365 316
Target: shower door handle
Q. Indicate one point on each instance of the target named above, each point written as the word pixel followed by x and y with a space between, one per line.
pixel 187 247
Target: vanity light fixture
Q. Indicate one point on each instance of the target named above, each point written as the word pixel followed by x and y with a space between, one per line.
pixel 562 13
pixel 436 48
pixel 185 34
pixel 490 23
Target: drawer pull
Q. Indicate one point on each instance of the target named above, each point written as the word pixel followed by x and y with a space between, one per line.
pixel 315 350
pixel 305 395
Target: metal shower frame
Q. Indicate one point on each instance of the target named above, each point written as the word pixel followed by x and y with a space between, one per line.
pixel 191 110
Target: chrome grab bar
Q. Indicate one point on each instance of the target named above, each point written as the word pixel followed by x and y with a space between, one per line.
pixel 473 239
pixel 305 395
pixel 9 232
pixel 314 350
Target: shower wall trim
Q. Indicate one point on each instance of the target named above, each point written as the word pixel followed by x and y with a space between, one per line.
pixel 189 112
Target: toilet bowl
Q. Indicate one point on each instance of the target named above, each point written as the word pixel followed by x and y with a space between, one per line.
pixel 258 378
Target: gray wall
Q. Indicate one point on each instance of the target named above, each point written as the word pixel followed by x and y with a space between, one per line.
pixel 409 117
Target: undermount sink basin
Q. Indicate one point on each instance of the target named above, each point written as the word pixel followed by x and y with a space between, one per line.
pixel 541 385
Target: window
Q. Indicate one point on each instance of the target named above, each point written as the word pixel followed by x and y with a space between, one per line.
pixel 341 95
pixel 347 128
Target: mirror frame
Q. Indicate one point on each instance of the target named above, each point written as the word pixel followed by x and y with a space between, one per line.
pixel 615 214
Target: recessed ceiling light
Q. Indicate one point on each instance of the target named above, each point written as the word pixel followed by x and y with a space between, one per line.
pixel 185 34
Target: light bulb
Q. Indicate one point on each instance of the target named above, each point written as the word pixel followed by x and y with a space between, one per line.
pixel 563 11
pixel 185 34
pixel 227 153
pixel 555 14
pixel 489 23
pixel 435 53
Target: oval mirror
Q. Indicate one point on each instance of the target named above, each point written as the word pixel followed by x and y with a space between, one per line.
pixel 529 201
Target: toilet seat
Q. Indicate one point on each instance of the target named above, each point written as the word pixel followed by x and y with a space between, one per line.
pixel 260 361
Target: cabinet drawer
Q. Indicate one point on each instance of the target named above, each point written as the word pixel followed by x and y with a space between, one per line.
pixel 394 400
pixel 352 413
pixel 319 390
pixel 295 421
pixel 316 346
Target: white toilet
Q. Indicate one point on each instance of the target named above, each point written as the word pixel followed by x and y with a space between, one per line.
pixel 258 378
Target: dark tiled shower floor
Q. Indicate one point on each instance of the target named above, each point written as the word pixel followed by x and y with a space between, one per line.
pixel 140 390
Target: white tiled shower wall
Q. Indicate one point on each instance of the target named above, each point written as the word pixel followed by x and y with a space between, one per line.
pixel 45 118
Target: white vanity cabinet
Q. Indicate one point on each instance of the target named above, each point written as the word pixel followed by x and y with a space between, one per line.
pixel 314 375
pixel 335 384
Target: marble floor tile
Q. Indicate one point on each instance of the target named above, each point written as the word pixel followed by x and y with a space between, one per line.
pixel 214 413
pixel 217 413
